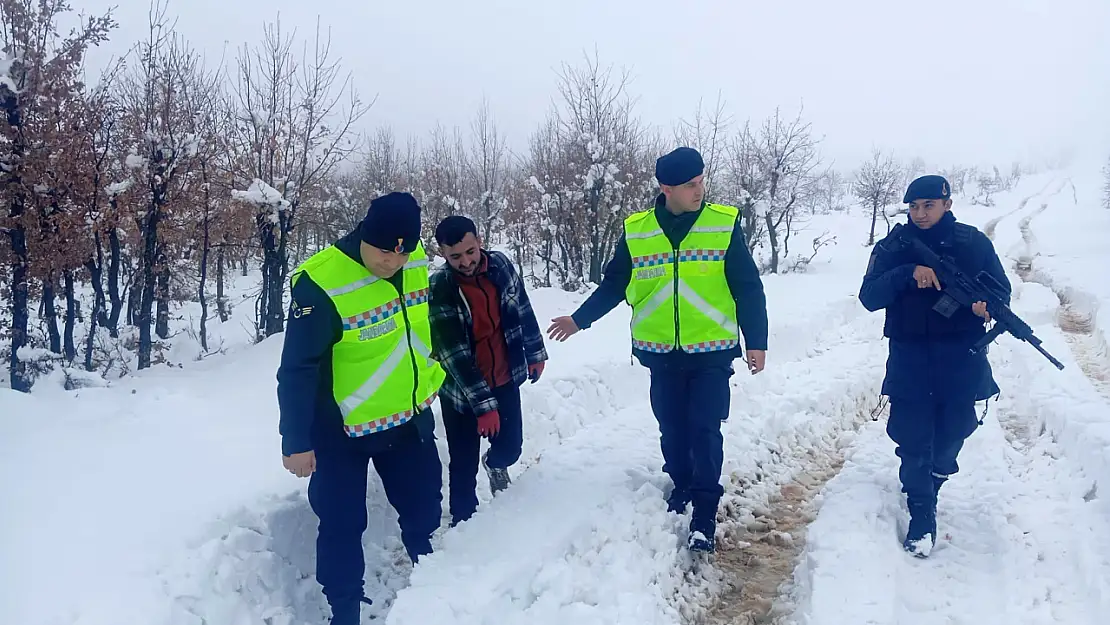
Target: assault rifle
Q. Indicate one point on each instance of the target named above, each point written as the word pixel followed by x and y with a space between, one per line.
pixel 960 289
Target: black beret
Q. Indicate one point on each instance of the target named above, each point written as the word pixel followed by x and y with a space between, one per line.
pixel 678 166
pixel 392 223
pixel 930 187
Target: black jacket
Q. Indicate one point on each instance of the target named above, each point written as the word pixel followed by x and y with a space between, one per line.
pixel 929 357
pixel 743 281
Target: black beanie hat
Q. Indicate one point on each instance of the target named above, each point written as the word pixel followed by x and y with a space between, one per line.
pixel 678 167
pixel 392 223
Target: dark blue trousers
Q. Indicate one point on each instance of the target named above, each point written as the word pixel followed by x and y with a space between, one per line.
pixel 690 405
pixel 464 444
pixel 929 437
pixel 410 472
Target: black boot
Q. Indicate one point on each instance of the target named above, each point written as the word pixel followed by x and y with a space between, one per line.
pixel 348 612
pixel 703 536
pixel 922 534
pixel 703 528
pixel 677 501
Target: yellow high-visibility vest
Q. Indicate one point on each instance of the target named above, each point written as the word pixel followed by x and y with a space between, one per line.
pixel 382 371
pixel 680 296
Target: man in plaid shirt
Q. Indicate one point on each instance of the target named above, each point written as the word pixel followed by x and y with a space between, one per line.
pixel 485 335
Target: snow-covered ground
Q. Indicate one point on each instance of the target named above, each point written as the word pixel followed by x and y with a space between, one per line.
pixel 161 498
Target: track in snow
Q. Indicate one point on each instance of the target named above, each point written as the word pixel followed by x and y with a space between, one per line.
pixel 1076 312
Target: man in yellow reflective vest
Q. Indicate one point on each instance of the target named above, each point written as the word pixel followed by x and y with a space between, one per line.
pixel 684 268
pixel 355 384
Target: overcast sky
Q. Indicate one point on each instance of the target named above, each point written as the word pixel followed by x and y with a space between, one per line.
pixel 950 80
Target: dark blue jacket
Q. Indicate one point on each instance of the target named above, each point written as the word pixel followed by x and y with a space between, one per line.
pixel 929 358
pixel 310 416
pixel 453 343
pixel 743 281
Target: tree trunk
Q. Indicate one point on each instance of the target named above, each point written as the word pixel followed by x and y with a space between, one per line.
pixel 95 267
pixel 772 234
pixel 786 238
pixel 271 317
pixel 68 347
pixel 113 283
pixel 204 244
pixel 150 257
pixel 750 223
pixel 221 299
pixel 50 313
pixel 874 218
pixel 548 250
pixel 162 321
pixel 99 315
pixel 595 253
pixel 20 378
pixel 135 299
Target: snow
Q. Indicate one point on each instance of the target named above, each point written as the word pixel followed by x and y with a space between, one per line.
pixel 260 194
pixel 6 63
pixel 117 188
pixel 134 160
pixel 160 498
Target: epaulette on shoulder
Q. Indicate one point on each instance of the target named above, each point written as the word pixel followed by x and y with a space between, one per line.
pixel 725 209
pixel 638 216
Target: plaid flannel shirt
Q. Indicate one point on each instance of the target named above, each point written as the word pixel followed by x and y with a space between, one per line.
pixel 452 335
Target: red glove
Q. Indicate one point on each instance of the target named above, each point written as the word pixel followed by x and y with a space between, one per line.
pixel 489 424
pixel 535 371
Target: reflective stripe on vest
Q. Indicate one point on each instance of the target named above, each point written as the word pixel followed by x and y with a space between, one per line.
pixel 382 372
pixel 680 296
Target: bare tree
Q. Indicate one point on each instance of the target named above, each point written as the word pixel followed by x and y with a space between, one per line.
pixel 988 184
pixel 440 181
pixel 209 121
pixel 876 186
pixel 606 149
pixel 487 169
pixel 829 191
pixel 551 207
pixel 747 184
pixel 521 216
pixel 788 156
pixel 957 176
pixel 708 134
pixel 292 133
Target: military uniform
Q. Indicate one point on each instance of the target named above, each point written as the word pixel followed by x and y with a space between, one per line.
pixel 694 290
pixel 355 385
pixel 932 379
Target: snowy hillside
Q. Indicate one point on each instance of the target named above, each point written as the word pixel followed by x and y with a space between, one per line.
pixel 161 498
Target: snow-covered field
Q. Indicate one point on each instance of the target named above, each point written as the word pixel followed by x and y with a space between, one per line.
pixel 161 498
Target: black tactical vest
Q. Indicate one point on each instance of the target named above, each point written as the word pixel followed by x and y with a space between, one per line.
pixel 912 317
